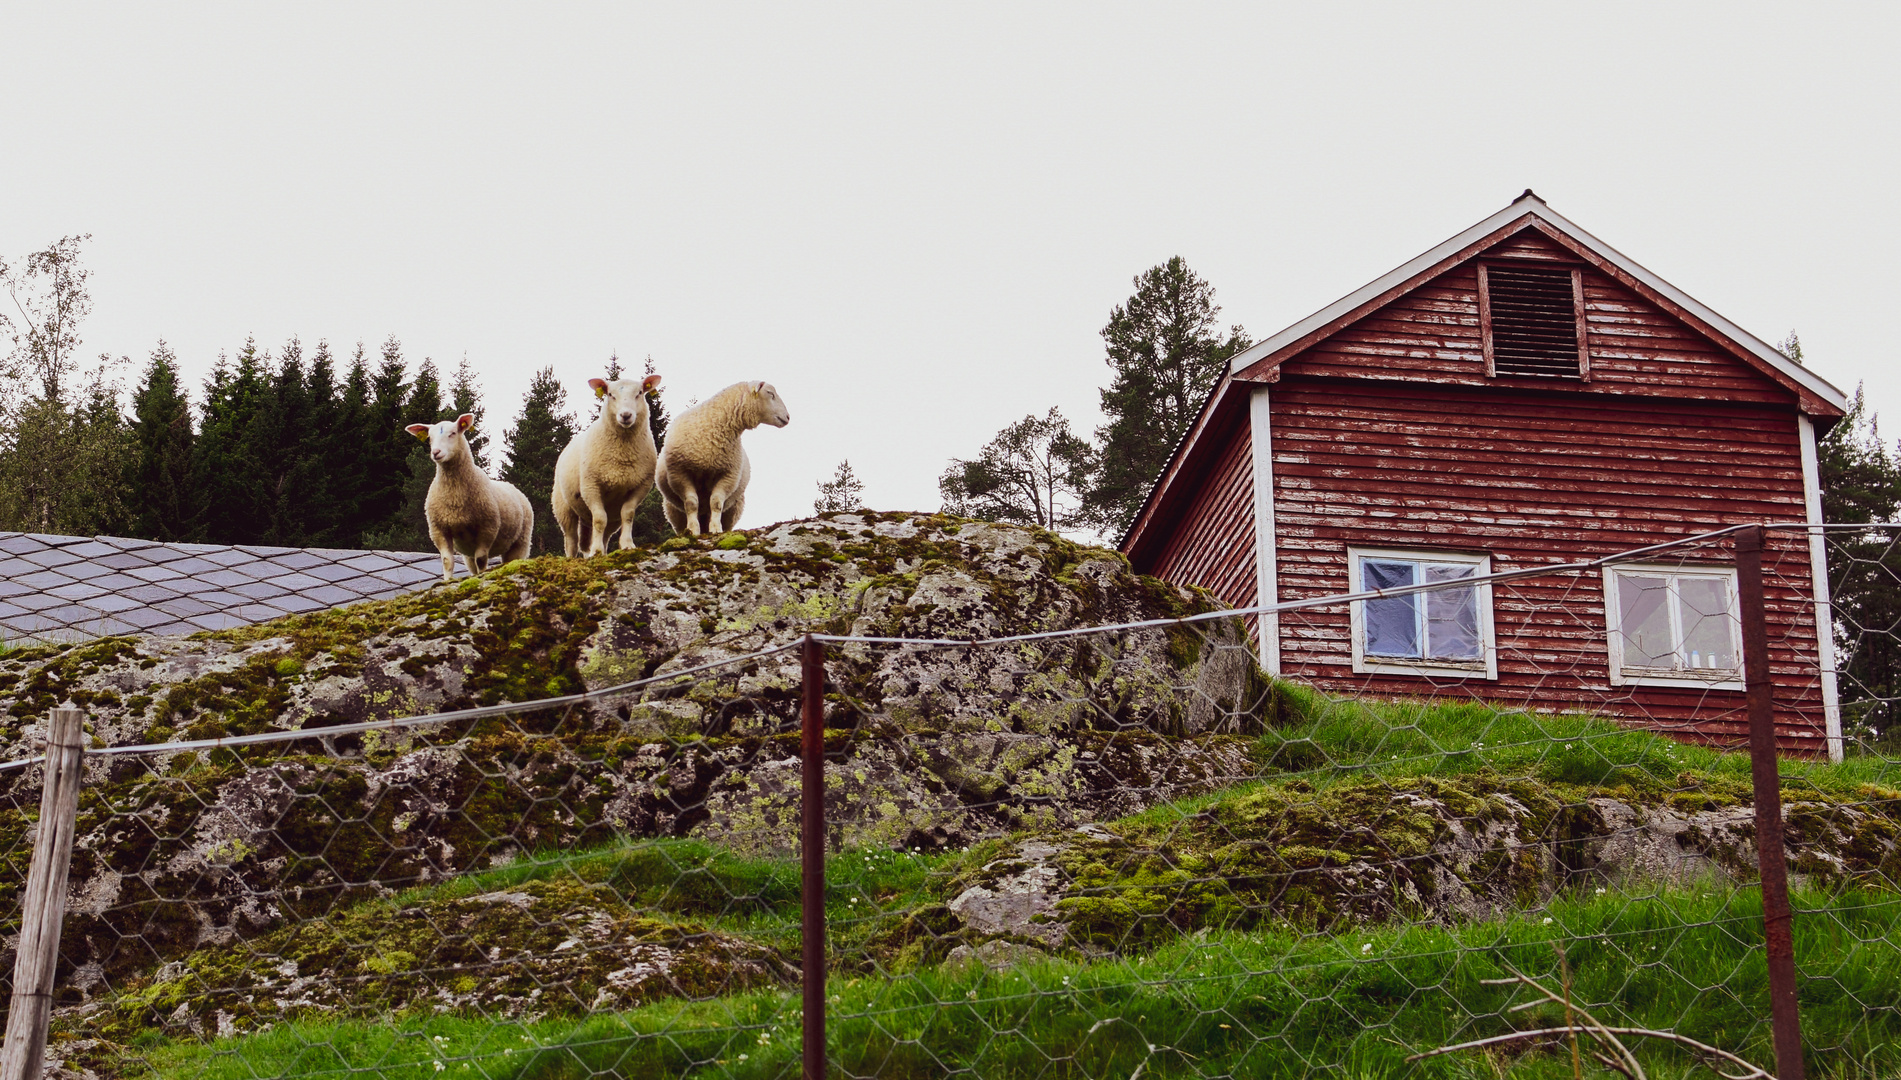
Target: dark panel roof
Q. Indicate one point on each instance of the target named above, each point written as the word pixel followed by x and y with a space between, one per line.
pixel 57 588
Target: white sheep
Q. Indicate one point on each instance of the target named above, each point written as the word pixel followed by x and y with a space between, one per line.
pixel 703 470
pixel 467 511
pixel 607 469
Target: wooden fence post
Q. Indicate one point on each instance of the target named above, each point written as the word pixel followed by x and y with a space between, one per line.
pixel 812 852
pixel 44 904
pixel 1778 941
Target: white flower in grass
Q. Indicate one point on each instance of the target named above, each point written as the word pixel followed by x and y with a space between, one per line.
pixel 1547 921
pixel 1366 948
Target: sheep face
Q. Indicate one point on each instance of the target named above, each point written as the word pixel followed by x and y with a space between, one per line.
pixel 771 409
pixel 624 401
pixel 444 437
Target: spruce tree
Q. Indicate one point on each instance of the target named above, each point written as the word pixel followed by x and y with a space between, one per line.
pixel 385 445
pixel 465 396
pixel 408 530
pixel 540 432
pixel 223 480
pixel 316 447
pixel 1168 352
pixel 844 491
pixel 276 454
pixel 348 455
pixel 161 471
pixel 650 524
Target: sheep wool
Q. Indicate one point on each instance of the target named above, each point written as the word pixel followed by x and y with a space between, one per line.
pixel 467 511
pixel 703 470
pixel 604 472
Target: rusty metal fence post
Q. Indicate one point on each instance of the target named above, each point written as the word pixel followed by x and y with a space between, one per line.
pixel 812 851
pixel 43 905
pixel 1778 941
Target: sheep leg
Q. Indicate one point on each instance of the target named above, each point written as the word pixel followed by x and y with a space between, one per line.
pixel 675 516
pixel 446 548
pixel 627 511
pixel 689 509
pixel 597 515
pixel 733 507
pixel 717 517
pixel 570 523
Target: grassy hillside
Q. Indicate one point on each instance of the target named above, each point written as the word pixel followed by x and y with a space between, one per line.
pixel 1246 983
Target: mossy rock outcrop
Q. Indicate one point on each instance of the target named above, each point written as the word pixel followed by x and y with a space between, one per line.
pixel 1427 849
pixel 927 746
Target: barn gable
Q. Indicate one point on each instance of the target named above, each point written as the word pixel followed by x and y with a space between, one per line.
pixel 1421 322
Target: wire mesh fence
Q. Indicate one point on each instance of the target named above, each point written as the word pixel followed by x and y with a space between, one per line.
pixel 1460 804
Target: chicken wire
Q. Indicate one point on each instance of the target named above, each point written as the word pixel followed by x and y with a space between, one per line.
pixel 1123 851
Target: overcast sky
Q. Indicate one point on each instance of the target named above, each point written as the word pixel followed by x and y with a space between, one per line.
pixel 915 219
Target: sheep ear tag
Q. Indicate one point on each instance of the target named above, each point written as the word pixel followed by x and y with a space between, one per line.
pixel 649 384
pixel 600 387
pixel 465 421
pixel 421 431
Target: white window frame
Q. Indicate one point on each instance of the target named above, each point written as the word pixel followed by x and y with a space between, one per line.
pixel 1486 667
pixel 1720 678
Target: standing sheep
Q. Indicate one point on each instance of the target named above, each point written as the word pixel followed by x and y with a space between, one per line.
pixel 703 470
pixel 607 469
pixel 467 511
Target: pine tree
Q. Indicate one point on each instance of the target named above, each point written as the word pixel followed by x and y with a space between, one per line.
pixel 540 432
pixel 650 517
pixel 465 396
pixel 1035 472
pixel 1168 353
pixel 842 492
pixel 228 507
pixel 408 530
pixel 385 446
pixel 341 523
pixel 276 455
pixel 161 474
pixel 316 444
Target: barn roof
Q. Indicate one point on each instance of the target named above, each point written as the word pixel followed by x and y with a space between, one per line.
pixel 1821 396
pixel 70 587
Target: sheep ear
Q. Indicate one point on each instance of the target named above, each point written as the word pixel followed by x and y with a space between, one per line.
pixel 421 431
pixel 759 387
pixel 649 384
pixel 465 421
pixel 600 387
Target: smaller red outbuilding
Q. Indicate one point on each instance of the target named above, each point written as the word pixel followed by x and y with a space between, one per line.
pixel 1521 394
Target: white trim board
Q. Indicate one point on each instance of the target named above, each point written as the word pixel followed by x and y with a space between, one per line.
pixel 1533 205
pixel 1266 550
pixel 1818 577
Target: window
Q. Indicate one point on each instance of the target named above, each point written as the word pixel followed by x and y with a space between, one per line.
pixel 1531 317
pixel 1673 626
pixel 1441 632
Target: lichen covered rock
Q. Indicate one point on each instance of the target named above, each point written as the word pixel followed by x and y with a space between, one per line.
pixel 927 746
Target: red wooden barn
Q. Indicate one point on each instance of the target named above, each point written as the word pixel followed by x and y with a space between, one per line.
pixel 1521 394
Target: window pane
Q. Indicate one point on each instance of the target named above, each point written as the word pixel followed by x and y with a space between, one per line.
pixel 1392 623
pixel 1708 640
pixel 1452 616
pixel 1644 618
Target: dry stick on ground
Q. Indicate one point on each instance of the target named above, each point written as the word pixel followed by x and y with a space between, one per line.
pixel 1628 1065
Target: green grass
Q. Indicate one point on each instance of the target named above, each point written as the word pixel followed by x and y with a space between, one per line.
pixel 1345 738
pixel 1260 1005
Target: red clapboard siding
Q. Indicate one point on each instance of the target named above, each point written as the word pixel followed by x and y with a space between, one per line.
pixel 1536 477
pixel 1431 334
pixel 1213 546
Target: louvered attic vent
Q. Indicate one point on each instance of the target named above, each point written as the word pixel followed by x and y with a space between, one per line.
pixel 1532 324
